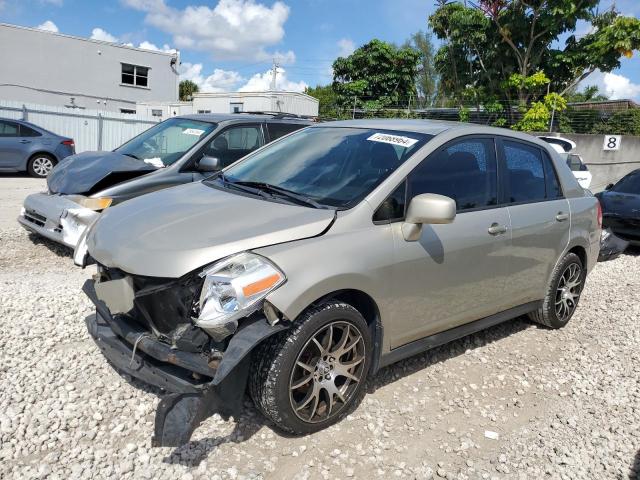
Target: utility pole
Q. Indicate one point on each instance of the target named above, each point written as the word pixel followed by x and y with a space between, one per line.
pixel 274 74
pixel 354 107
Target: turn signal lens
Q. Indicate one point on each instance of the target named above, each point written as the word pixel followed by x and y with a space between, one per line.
pixel 92 203
pixel 261 285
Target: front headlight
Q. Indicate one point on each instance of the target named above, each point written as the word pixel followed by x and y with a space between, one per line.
pixel 91 203
pixel 233 288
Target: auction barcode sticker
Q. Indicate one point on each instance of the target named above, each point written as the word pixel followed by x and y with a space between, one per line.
pixel 193 131
pixel 399 140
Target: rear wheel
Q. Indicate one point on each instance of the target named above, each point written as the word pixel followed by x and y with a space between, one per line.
pixel 40 165
pixel 563 295
pixel 313 374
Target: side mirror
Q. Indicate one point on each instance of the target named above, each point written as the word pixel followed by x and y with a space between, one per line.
pixel 609 187
pixel 208 164
pixel 428 208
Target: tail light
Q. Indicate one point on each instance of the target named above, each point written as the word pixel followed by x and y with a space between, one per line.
pixel 69 143
pixel 599 215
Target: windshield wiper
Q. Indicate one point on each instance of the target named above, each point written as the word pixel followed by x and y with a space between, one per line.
pixel 239 186
pixel 131 155
pixel 280 191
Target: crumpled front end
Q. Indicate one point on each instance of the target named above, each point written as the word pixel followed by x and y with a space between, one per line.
pixel 56 217
pixel 146 327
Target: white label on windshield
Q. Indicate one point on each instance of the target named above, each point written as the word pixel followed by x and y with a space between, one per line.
pixel 399 140
pixel 156 162
pixel 193 131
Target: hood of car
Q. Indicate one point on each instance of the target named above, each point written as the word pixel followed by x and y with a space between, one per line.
pixel 177 230
pixel 89 172
pixel 620 204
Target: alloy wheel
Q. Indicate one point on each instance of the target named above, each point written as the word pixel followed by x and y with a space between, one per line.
pixel 568 291
pixel 327 372
pixel 42 166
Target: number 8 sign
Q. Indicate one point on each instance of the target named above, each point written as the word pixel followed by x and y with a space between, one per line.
pixel 612 142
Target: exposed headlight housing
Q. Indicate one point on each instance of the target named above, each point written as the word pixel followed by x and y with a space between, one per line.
pixel 91 203
pixel 233 288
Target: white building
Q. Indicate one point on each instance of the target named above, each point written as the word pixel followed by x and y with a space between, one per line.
pixel 271 101
pixel 47 68
pixel 164 110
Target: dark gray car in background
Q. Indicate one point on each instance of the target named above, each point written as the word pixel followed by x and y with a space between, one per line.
pixel 28 147
pixel 179 150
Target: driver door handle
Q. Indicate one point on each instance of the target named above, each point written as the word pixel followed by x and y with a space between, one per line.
pixel 561 217
pixel 496 229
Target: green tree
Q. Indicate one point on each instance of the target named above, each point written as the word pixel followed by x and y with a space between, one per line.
pixel 186 90
pixel 376 75
pixel 591 93
pixel 327 98
pixel 427 78
pixel 486 42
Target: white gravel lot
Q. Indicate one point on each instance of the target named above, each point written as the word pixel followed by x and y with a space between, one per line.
pixel 557 404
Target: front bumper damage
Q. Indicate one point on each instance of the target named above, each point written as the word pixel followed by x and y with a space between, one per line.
pixel 195 386
pixel 56 218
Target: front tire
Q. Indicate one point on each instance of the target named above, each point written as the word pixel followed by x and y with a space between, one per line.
pixel 40 165
pixel 312 375
pixel 563 294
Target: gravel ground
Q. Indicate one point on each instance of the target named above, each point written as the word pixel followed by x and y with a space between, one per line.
pixel 515 401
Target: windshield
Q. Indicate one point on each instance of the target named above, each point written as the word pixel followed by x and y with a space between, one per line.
pixel 166 142
pixel 629 184
pixel 333 166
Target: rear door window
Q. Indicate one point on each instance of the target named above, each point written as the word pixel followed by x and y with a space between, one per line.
pixel 552 183
pixel 465 171
pixel 28 132
pixel 525 172
pixel 277 130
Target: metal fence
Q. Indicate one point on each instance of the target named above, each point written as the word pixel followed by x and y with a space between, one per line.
pixel 90 129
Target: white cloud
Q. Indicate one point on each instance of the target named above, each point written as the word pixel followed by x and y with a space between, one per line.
pixel 100 34
pixel 233 29
pixel 346 47
pixel 48 26
pixel 219 81
pixel 152 46
pixel 261 82
pixel 613 85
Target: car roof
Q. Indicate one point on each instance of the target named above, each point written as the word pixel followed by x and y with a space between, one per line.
pixel 434 127
pixel 245 117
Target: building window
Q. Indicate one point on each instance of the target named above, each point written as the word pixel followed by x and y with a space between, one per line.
pixel 135 75
pixel 204 111
pixel 156 113
pixel 236 107
pixel 128 111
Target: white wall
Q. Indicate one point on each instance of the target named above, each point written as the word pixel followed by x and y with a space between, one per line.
pixel 286 102
pixel 48 68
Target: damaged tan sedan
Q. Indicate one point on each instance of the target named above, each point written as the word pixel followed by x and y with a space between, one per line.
pixel 308 265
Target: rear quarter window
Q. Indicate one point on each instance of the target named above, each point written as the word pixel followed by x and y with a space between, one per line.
pixel 277 130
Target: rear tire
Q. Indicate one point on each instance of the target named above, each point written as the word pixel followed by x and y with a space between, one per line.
pixel 313 375
pixel 40 165
pixel 563 293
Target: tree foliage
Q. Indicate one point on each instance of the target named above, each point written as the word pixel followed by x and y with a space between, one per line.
pixel 376 75
pixel 427 78
pixel 488 41
pixel 186 89
pixel 327 99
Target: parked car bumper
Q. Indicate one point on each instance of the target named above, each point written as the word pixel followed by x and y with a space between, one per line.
pixel 56 217
pixel 197 386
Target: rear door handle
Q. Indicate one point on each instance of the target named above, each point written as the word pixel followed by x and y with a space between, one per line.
pixel 561 217
pixel 496 229
pixel 25 141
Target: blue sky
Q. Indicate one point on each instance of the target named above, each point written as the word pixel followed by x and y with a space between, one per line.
pixel 230 44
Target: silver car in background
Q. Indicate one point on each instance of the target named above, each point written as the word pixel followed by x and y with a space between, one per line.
pixel 328 254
